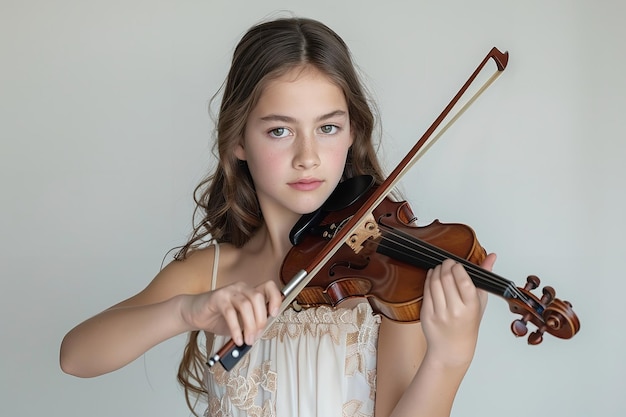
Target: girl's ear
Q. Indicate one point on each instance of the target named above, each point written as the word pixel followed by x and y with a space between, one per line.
pixel 240 151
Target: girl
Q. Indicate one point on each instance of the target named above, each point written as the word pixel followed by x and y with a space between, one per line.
pixel 294 121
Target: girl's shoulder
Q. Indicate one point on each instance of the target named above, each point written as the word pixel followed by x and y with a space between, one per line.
pixel 219 265
pixel 191 275
pixel 198 267
pixel 201 265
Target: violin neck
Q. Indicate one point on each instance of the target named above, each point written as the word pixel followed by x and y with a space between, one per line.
pixel 406 248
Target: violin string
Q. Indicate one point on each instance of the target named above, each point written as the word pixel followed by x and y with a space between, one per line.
pixel 437 255
pixel 428 253
pixel 434 255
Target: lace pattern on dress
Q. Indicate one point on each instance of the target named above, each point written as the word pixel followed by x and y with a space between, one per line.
pixel 318 361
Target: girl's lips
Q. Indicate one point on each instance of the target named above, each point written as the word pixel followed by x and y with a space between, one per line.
pixel 306 185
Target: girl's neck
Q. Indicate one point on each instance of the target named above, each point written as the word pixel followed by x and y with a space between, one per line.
pixel 271 242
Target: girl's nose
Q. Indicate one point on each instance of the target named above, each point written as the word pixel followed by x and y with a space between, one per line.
pixel 306 156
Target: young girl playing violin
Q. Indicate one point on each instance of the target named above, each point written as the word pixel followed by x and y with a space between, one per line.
pixel 294 121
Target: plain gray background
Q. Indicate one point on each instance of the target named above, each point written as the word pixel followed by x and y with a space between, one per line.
pixel 105 132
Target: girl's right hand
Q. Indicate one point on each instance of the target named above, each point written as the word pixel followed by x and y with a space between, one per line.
pixel 237 309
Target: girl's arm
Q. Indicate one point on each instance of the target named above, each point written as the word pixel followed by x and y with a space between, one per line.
pixel 421 365
pixel 117 336
pixel 178 300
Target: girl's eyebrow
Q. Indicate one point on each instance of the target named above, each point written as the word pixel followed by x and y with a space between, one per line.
pixel 287 119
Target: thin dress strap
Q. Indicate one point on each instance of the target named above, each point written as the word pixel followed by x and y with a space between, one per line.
pixel 216 259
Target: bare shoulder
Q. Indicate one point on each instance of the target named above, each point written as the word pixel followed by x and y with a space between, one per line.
pixel 191 275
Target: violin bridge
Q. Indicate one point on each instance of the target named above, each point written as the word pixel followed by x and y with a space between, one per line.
pixel 366 230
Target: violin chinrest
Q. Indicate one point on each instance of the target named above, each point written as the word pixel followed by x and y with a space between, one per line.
pixel 345 194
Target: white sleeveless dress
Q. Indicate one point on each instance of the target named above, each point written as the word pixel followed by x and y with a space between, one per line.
pixel 318 362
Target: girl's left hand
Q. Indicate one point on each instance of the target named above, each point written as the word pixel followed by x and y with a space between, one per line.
pixel 451 312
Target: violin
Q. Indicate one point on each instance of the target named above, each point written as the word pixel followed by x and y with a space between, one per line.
pixel 360 243
pixel 386 261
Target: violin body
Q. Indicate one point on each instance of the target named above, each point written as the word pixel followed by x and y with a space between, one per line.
pixel 393 287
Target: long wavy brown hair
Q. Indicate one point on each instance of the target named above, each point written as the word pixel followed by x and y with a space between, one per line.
pixel 227 209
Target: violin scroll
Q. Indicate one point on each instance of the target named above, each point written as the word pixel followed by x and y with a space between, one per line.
pixel 548 314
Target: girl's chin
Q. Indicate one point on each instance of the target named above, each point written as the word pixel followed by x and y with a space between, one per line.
pixel 306 209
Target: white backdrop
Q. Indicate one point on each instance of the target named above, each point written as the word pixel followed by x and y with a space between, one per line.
pixel 105 132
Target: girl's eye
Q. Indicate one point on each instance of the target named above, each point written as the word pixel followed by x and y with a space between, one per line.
pixel 279 132
pixel 329 129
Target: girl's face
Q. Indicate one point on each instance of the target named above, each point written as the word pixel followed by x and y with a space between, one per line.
pixel 296 142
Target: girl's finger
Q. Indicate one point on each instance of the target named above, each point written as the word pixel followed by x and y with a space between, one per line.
pixel 436 290
pixel 232 322
pixel 249 315
pixel 274 297
pixel 427 307
pixel 449 285
pixel 465 289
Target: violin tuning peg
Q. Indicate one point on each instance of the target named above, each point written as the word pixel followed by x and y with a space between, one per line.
pixel 535 337
pixel 532 282
pixel 548 295
pixel 518 327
